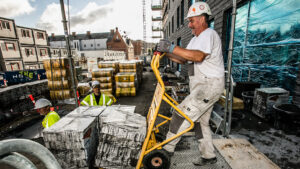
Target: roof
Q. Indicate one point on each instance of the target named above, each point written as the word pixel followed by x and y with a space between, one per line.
pixel 104 35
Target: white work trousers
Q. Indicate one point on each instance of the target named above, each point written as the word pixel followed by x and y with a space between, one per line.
pixel 204 92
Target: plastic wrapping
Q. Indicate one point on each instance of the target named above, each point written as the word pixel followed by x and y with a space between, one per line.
pixel 104 72
pixel 103 79
pixel 61 94
pixel 56 63
pixel 126 91
pixel 58 85
pixel 125 77
pixel 122 133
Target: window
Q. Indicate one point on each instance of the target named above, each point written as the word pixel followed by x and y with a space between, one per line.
pixel 172 24
pixel 25 33
pixel 211 24
pixel 98 45
pixel 28 52
pixel 84 45
pixel 12 66
pixel 178 43
pixel 40 35
pixel 92 45
pixel 266 42
pixel 4 24
pixel 10 46
pixel 178 10
pixel 182 12
pixel 43 52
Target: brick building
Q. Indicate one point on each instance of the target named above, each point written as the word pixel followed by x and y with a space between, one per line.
pixel 138 48
pixel 117 42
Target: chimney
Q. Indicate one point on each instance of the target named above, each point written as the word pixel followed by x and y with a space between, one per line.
pixel 73 33
pixel 52 35
pixel 88 33
pixel 112 31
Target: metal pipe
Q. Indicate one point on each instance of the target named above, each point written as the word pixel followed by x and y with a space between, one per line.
pixel 32 148
pixel 18 161
pixel 229 62
pixel 64 21
pixel 230 107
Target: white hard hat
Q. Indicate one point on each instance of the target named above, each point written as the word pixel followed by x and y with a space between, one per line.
pixel 42 103
pixel 95 83
pixel 198 8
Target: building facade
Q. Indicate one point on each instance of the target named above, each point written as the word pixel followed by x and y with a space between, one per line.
pixel 266 37
pixel 10 55
pixel 34 47
pixel 118 43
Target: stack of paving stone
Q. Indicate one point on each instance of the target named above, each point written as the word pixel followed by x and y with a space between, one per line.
pixel 126 84
pixel 122 133
pixel 74 139
pixel 103 137
pixel 106 78
pixel 135 66
pixel 59 78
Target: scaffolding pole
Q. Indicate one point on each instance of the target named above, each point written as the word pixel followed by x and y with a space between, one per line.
pixel 229 81
pixel 64 21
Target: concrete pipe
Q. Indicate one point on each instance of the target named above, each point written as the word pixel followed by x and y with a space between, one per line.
pixel 29 147
pixel 17 160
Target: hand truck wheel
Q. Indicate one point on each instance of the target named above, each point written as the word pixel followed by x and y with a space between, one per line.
pixel 157 159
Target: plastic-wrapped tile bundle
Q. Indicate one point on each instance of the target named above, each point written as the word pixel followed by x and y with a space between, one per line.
pixel 59 78
pixel 122 133
pixel 135 66
pixel 126 84
pixel 105 77
pixel 74 139
pixel 109 64
pixel 83 89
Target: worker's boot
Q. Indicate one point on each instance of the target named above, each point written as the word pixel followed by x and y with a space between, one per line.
pixel 202 161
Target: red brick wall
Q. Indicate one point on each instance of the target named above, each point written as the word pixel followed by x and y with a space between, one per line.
pixel 117 43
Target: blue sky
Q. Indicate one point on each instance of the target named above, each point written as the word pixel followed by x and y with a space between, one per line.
pixel 86 15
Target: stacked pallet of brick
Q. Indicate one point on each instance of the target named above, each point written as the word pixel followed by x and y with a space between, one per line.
pixel 121 136
pixel 74 139
pixel 126 84
pixel 106 78
pixel 59 78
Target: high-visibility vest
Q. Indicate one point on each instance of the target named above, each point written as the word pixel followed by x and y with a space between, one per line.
pixel 51 118
pixel 90 100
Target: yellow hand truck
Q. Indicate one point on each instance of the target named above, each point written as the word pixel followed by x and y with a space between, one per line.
pixel 152 156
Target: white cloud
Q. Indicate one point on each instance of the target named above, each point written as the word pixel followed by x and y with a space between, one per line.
pixel 51 18
pixel 126 15
pixel 13 8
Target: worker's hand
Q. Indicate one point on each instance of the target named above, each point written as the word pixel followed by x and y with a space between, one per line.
pixel 165 46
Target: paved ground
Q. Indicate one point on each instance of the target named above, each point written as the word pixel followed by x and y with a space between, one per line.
pixel 283 149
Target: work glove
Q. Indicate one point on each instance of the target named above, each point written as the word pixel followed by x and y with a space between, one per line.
pixel 165 46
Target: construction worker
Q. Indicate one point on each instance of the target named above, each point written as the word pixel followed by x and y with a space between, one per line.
pixel 206 75
pixel 96 98
pixel 43 106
